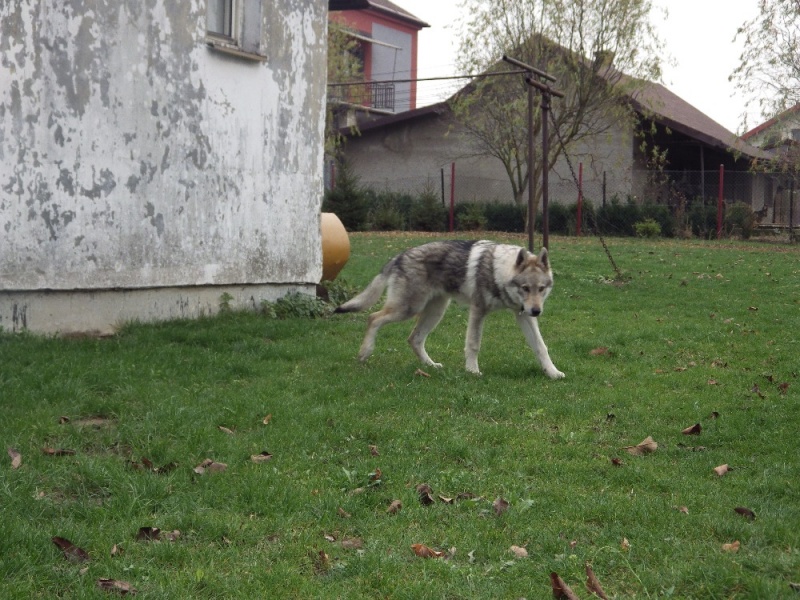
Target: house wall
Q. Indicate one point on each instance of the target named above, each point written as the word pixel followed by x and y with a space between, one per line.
pixel 143 173
pixel 410 155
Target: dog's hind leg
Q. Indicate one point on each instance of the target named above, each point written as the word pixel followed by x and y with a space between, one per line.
pixel 530 327
pixel 388 314
pixel 428 320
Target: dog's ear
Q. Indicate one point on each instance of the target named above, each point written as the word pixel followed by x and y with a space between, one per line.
pixel 521 257
pixel 543 258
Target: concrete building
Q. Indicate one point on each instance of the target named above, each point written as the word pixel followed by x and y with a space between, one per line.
pixel 157 155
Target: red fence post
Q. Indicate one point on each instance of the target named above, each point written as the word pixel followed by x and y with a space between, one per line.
pixel 579 218
pixel 452 195
pixel 719 200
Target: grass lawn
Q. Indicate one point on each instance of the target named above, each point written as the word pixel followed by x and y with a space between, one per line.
pixel 701 333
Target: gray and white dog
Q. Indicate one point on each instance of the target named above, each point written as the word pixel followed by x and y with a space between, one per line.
pixel 485 275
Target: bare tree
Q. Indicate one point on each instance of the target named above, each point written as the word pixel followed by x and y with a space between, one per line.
pixel 598 49
pixel 769 66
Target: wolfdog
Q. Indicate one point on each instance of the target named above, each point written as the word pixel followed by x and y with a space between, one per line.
pixel 485 275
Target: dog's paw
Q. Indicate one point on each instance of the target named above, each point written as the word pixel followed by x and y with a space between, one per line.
pixel 435 365
pixel 555 374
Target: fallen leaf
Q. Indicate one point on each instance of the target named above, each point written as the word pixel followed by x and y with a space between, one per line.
pixel 173 535
pixel 795 586
pixel 16 458
pixel 114 585
pixel 424 551
pixel 343 513
pixel 519 551
pixel 757 391
pixel 425 494
pixel 62 420
pixel 683 509
pixel 500 505
pixel 721 470
pixel 713 382
pixel 71 552
pixel 267 419
pixel 625 545
pixel 373 450
pixel 745 512
pixel 394 507
pixel 601 351
pixel 714 415
pixel 592 584
pixel 116 550
pixel 446 499
pixel 210 465
pixel 783 387
pixel 732 547
pixel 322 562
pixel 261 458
pixel 753 308
pixel 329 537
pixel 646 446
pixel 617 462
pixel 148 534
pixel 375 475
pixel 693 430
pixel 352 543
pixel 58 452
pixel 421 373
pixel 224 429
pixel 561 589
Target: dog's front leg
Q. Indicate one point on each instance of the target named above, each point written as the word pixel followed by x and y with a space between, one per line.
pixel 474 332
pixel 530 327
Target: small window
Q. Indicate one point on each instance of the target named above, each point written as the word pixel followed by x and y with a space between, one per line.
pixel 796 135
pixel 219 18
pixel 235 27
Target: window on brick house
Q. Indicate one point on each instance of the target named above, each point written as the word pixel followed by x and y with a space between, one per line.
pixel 234 26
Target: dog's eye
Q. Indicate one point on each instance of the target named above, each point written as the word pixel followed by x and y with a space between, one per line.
pixel 526 289
pixel 542 288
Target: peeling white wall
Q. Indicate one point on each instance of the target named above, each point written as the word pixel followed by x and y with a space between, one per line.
pixel 134 156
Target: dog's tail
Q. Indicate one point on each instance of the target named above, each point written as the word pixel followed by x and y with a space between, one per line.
pixel 368 297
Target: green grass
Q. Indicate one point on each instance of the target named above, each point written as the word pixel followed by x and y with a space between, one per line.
pixel 693 331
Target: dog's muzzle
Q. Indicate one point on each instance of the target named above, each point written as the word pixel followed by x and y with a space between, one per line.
pixel 534 312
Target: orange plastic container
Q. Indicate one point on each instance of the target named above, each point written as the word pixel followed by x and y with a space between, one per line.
pixel 335 246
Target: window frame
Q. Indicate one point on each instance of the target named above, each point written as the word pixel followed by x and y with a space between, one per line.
pixel 242 41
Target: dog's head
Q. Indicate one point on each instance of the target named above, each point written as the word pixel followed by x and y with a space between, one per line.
pixel 532 281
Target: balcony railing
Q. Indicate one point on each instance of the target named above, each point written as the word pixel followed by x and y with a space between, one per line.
pixel 370 94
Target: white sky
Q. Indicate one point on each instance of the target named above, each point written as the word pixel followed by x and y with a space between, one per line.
pixel 698 35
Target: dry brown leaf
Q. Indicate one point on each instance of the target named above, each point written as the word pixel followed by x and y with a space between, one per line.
pixel 58 452
pixel 329 537
pixel 114 585
pixel 148 534
pixel 376 475
pixel 561 589
pixel 16 458
pixel 116 550
pixel 783 387
pixel 211 466
pixel 519 551
pixel 322 562
pixel 373 450
pixel 721 470
pixel 421 373
pixel 745 512
pixel 693 430
pixel 224 429
pixel 394 507
pixel 343 513
pixel 261 458
pixel 71 552
pixel 424 551
pixel 425 494
pixel 173 535
pixel 646 446
pixel 683 509
pixel 592 584
pixel 266 420
pixel 500 505
pixel 625 545
pixel 63 420
pixel 601 351
pixel 446 499
pixel 617 462
pixel 352 543
pixel 713 382
pixel 732 547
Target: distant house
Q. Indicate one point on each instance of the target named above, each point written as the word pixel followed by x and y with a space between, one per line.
pixel 779 133
pixel 386 45
pixel 156 159
pixel 421 148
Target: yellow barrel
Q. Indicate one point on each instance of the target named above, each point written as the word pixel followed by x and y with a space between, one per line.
pixel 335 246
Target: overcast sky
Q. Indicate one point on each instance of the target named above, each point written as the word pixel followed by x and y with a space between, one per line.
pixel 698 34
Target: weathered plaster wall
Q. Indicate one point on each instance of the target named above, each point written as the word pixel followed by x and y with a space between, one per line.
pixel 133 156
